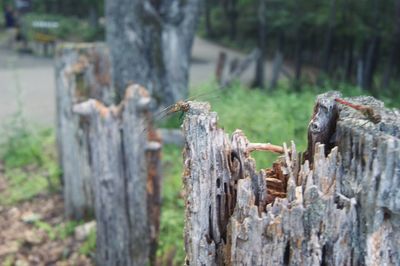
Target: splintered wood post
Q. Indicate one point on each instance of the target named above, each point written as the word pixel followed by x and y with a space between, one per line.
pixel 219 71
pixel 82 72
pixel 206 184
pixel 127 192
pixel 343 209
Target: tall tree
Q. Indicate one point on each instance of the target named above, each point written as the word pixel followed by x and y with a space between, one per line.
pixel 260 69
pixel 207 18
pixel 150 43
pixel 327 51
pixel 373 47
pixel 394 57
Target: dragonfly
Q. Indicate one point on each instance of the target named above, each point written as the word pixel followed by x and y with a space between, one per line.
pixel 182 106
pixel 366 110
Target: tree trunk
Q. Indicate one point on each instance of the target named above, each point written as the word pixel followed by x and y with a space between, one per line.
pixel 208 22
pixel 298 61
pixel 127 216
pixel 371 62
pixel 82 72
pixel 394 57
pixel 329 38
pixel 220 69
pixel 373 47
pixel 278 63
pixel 349 59
pixel 93 17
pixel 262 32
pixel 150 43
pixel 342 209
pixel 232 15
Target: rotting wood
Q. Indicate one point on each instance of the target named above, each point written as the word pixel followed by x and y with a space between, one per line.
pixel 154 188
pixel 127 179
pixel 343 209
pixel 82 72
pixel 265 147
pixel 322 126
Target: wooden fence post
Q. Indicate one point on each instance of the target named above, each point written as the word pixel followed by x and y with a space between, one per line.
pixel 344 209
pixel 82 72
pixel 127 193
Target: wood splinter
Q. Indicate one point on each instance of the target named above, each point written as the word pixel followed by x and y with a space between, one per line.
pixel 265 147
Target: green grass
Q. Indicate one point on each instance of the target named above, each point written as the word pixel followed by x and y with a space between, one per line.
pixel 59 231
pixel 89 246
pixel 30 162
pixel 276 117
pixel 172 213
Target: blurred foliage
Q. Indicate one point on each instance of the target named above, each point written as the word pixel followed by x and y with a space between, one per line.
pixel 312 17
pixel 9 261
pixel 79 8
pixel 70 28
pixel 172 213
pixel 88 247
pixel 351 41
pixel 59 231
pixel 31 165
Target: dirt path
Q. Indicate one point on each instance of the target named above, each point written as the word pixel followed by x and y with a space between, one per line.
pixel 31 80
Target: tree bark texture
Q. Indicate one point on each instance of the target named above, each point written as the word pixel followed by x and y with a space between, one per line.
pixel 82 72
pixel 127 181
pixel 343 209
pixel 159 36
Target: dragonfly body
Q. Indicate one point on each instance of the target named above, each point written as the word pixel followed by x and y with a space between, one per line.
pixel 367 111
pixel 178 106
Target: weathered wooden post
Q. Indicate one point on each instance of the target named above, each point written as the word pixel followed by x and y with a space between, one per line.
pixel 82 72
pixel 127 182
pixel 343 209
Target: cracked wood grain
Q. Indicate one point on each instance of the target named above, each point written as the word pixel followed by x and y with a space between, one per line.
pixel 127 179
pixel 82 72
pixel 341 207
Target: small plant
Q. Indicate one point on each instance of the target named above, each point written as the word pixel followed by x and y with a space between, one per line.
pixel 31 165
pixel 89 246
pixel 60 231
